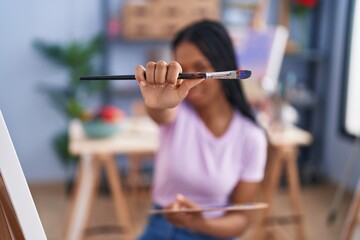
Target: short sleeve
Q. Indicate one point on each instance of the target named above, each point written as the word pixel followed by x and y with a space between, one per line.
pixel 254 156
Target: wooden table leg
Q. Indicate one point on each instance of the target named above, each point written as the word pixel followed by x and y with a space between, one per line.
pixel 117 193
pixel 269 186
pixel 87 181
pixel 294 190
pixel 134 176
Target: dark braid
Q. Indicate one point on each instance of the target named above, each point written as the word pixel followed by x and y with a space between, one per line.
pixel 214 42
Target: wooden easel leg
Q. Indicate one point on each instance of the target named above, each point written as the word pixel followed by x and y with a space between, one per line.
pixel 87 182
pixel 352 216
pixel 4 226
pixel 9 215
pixel 294 190
pixel 270 186
pixel 117 193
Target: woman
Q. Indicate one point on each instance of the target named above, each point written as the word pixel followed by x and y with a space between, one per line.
pixel 211 152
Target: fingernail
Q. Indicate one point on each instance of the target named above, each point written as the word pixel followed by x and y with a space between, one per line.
pixel 142 83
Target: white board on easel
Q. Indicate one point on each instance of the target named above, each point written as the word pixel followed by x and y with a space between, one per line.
pixel 19 218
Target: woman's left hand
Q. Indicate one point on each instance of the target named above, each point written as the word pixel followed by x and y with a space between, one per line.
pixel 190 221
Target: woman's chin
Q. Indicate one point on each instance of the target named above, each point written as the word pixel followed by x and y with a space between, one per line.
pixel 193 98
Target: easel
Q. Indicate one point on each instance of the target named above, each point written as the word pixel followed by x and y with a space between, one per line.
pixel 9 224
pixel 352 219
pixel 347 172
pixel 18 215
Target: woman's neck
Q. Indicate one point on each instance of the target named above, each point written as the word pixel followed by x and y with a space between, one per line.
pixel 216 116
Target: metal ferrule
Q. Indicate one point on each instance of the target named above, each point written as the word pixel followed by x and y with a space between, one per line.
pixel 222 75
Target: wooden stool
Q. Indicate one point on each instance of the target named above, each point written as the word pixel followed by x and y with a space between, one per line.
pixel 87 183
pixel 282 157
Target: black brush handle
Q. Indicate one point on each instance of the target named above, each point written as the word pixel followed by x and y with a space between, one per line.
pixel 132 77
pixel 111 77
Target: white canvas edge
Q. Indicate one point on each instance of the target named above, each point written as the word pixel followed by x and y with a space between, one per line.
pixel 277 52
pixel 18 188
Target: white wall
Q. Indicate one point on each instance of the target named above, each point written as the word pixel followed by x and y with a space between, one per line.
pixel 30 118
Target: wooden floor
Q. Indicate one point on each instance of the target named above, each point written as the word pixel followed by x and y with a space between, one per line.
pixel 52 204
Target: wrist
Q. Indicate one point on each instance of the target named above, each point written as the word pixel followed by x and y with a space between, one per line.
pixel 199 225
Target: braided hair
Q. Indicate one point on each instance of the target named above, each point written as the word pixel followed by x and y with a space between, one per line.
pixel 214 42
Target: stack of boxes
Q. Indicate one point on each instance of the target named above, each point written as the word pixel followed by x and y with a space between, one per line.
pixel 161 19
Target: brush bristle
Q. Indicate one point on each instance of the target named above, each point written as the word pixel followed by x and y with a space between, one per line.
pixel 243 74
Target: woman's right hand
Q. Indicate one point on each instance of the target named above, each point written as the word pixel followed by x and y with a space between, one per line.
pixel 160 86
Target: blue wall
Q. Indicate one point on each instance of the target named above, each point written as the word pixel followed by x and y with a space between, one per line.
pixel 337 147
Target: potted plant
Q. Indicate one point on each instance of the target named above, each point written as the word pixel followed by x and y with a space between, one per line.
pixel 79 59
pixel 301 10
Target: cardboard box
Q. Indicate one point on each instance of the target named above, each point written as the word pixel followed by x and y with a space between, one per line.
pixel 205 9
pixel 171 9
pixel 136 20
pixel 168 28
pixel 142 10
pixel 161 19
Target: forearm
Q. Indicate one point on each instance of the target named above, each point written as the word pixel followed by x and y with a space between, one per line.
pixel 162 116
pixel 231 225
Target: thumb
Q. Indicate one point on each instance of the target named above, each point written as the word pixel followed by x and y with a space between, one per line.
pixel 186 85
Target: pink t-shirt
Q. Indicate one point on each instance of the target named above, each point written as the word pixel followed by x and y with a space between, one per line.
pixel 203 167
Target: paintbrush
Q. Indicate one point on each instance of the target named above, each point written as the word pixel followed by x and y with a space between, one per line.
pixel 235 74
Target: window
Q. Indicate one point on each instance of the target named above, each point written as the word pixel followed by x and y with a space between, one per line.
pixel 351 98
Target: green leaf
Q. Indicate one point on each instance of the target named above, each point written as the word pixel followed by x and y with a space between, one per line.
pixel 75 109
pixel 77 58
pixel 55 53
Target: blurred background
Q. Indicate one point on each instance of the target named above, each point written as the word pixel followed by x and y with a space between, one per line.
pixel 47 45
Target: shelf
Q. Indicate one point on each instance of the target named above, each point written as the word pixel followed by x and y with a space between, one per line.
pixel 121 40
pixel 312 55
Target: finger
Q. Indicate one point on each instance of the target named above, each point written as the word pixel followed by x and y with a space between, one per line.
pixel 150 72
pixel 140 75
pixel 160 73
pixel 184 202
pixel 174 69
pixel 185 86
pixel 175 206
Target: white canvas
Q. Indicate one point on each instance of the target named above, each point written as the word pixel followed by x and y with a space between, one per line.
pixel 17 187
pixel 352 113
pixel 262 52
